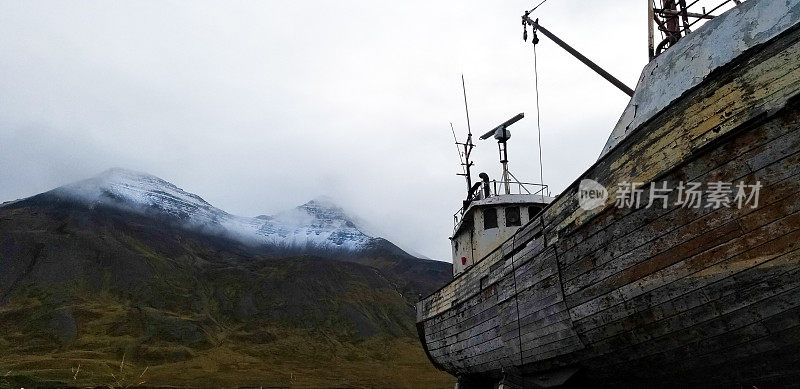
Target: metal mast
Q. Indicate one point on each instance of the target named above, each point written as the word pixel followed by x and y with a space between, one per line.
pixel 502 134
pixel 466 145
pixel 674 21
pixel 527 21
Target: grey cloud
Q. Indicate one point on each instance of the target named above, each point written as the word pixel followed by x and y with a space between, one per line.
pixel 260 106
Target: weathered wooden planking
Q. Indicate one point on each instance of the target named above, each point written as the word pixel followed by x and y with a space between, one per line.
pixel 711 117
pixel 733 171
pixel 689 356
pixel 726 234
pixel 679 243
pixel 686 293
pixel 689 266
pixel 679 124
pixel 767 197
pixel 684 358
pixel 469 282
pixel 681 329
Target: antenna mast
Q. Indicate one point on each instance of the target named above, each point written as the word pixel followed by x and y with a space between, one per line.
pixel 502 134
pixel 468 145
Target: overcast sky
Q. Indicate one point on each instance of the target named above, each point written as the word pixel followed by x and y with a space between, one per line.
pixel 260 106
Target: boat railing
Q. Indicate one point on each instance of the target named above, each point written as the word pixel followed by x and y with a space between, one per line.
pixel 496 188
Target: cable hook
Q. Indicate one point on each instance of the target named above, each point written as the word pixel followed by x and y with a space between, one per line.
pixel 535 38
pixel 525 27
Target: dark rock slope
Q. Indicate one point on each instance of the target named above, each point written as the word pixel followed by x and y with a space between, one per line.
pixel 108 283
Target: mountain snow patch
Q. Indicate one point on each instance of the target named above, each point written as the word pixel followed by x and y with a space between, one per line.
pixel 317 224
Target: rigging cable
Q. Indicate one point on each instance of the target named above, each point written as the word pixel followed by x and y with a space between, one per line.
pixel 537 6
pixel 538 122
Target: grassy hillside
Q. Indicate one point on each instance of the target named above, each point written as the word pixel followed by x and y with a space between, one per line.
pixel 169 350
pixel 94 297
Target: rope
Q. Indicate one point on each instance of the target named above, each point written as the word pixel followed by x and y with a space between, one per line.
pixel 537 6
pixel 538 121
pixel 516 299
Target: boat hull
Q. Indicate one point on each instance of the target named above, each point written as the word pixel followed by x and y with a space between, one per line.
pixel 623 296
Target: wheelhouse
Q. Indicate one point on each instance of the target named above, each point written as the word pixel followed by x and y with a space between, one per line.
pixel 484 223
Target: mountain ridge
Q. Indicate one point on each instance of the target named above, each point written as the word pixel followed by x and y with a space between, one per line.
pixel 98 281
pixel 318 226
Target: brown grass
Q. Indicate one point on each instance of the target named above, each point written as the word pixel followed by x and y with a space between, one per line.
pixel 285 358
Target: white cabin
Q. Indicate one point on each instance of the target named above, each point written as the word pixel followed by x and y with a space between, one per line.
pixel 488 222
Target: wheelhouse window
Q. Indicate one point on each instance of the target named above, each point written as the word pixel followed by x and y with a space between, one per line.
pixel 533 210
pixel 489 218
pixel 512 217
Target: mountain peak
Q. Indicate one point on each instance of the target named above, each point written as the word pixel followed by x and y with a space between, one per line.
pixel 119 177
pixel 325 208
pixel 123 177
pixel 130 188
pixel 318 224
pixel 118 172
pixel 322 202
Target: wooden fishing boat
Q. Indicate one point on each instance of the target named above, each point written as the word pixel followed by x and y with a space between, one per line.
pixel 667 295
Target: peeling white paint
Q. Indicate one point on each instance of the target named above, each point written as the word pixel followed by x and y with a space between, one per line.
pixel 472 242
pixel 685 65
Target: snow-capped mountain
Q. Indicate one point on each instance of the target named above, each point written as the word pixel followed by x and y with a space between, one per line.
pixel 318 224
